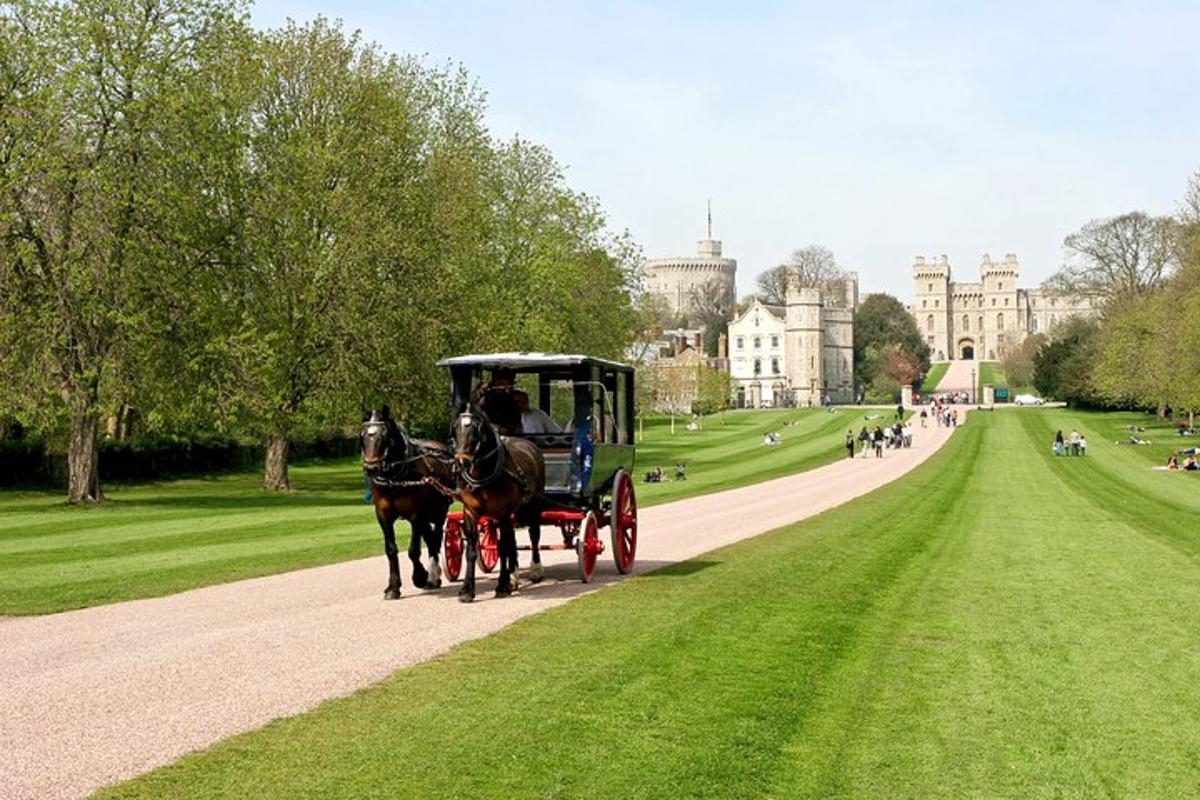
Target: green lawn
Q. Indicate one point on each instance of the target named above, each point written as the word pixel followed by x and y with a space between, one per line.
pixel 991 372
pixel 1033 636
pixel 934 377
pixel 156 539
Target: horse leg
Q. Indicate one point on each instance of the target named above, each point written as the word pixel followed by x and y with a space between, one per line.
pixel 467 593
pixel 535 538
pixel 433 541
pixel 387 523
pixel 420 528
pixel 508 542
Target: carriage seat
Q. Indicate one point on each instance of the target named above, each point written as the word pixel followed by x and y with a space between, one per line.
pixel 552 441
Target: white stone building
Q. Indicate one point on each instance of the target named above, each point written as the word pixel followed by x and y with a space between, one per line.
pixel 799 354
pixel 677 280
pixel 980 321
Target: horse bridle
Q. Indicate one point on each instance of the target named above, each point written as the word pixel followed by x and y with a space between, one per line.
pixel 469 418
pixel 391 431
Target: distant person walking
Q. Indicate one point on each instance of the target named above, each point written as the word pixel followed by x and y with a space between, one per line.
pixel 924 416
pixel 1059 446
pixel 877 438
pixel 1074 442
pixel 900 411
pixel 849 443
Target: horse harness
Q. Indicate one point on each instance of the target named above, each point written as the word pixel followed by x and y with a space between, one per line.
pixel 500 452
pixel 390 474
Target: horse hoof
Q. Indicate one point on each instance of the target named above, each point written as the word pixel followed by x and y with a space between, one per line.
pixel 420 578
pixel 504 591
pixel 391 594
pixel 466 597
pixel 433 584
pixel 535 574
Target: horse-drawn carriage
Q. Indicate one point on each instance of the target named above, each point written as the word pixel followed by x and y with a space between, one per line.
pixel 582 425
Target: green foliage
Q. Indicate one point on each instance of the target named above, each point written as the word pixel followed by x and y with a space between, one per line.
pixel 1063 366
pixel 258 234
pixel 881 322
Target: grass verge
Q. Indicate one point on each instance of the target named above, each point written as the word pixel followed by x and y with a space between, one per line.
pixel 1033 636
pixel 149 540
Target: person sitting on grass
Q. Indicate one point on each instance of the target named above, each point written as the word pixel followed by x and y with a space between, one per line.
pixel 1134 440
pixel 681 470
pixel 1173 463
pixel 1190 465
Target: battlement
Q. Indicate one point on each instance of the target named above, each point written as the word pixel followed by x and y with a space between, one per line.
pixel 933 269
pixel 1009 266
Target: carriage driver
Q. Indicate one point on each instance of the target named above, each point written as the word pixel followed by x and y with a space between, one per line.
pixel 497 401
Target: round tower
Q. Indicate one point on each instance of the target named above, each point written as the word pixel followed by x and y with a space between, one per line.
pixel 677 280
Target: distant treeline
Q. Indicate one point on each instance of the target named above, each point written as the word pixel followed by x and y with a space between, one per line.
pixel 258 234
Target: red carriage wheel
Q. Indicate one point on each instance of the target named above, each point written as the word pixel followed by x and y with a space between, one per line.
pixel 453 549
pixel 588 546
pixel 622 522
pixel 489 544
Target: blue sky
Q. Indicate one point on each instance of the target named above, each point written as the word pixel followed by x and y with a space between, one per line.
pixel 880 130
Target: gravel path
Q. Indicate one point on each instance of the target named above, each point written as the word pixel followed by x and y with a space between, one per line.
pixel 91 697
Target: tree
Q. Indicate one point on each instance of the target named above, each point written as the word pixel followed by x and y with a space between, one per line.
pixel 1017 362
pixel 882 321
pixel 1130 253
pixel 1063 368
pixel 712 307
pixel 89 112
pixel 811 267
pixel 714 390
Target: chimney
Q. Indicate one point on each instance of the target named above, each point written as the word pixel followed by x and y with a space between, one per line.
pixel 723 346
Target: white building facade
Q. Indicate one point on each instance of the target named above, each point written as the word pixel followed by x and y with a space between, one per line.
pixel 800 354
pixel 981 321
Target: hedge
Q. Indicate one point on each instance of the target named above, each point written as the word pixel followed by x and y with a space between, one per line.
pixel 29 462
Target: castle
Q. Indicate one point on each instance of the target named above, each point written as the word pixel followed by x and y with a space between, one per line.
pixel 799 354
pixel 677 281
pixel 978 321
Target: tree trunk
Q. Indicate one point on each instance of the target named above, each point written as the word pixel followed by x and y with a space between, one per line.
pixel 277 463
pixel 83 458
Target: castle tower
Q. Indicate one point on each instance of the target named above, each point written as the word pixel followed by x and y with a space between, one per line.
pixel 931 305
pixel 838 343
pixel 1000 312
pixel 804 350
pixel 677 280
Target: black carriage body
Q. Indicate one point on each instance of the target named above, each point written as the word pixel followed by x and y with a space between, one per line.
pixel 582 461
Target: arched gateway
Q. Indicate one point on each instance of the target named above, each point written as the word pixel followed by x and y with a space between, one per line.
pixel 966 349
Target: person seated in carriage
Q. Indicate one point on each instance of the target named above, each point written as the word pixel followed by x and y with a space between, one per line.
pixel 533 420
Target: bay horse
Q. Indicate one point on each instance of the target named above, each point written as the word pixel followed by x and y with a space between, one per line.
pixel 399 469
pixel 498 477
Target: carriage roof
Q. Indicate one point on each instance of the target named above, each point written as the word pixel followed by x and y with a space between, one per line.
pixel 532 361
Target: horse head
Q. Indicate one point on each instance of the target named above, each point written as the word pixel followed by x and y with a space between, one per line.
pixel 379 438
pixel 471 434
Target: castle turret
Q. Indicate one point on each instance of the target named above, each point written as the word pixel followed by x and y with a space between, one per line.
pixel 931 304
pixel 804 348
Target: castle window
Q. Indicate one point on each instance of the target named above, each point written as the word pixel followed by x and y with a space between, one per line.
pixel 774 366
pixel 929 322
pixel 774 341
pixel 993 301
pixel 966 323
pixel 757 342
pixel 999 322
pixel 937 303
pixel 1000 286
pixel 931 288
pixel 1035 325
pixel 1006 301
pixel 740 343
pixel 757 366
